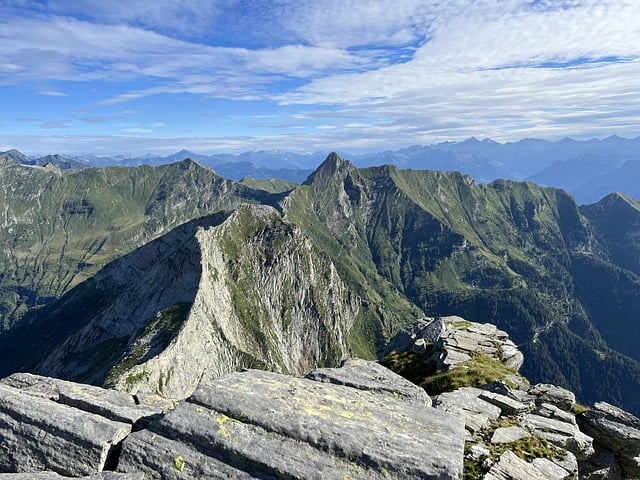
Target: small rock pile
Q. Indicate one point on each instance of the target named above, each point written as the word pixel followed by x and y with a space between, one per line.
pixel 520 433
pixel 517 431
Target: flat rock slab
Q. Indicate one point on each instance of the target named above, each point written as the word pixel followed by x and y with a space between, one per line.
pixel 512 467
pixel 560 433
pixel 55 476
pixel 108 403
pixel 551 411
pixel 506 404
pixel 550 470
pixel 466 402
pixel 38 434
pixel 257 424
pixel 371 376
pixel 509 434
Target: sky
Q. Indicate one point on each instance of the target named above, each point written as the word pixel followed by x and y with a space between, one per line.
pixel 156 76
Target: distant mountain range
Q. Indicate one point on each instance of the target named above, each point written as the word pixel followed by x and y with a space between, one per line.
pixel 589 170
pixel 142 277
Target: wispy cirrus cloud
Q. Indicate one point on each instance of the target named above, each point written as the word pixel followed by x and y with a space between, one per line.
pixel 380 71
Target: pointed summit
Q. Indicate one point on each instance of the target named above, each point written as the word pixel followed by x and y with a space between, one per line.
pixel 333 167
pixel 17 156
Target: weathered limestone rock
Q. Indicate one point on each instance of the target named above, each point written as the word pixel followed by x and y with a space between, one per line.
pixel 511 467
pixel 509 434
pixel 38 434
pixel 562 434
pixel 55 476
pixel 425 331
pixel 463 338
pixel 466 402
pixel 550 470
pixel 602 465
pixel 371 376
pixel 111 404
pixel 617 431
pixel 506 404
pixel 265 425
pixel 560 397
pixel 511 356
pixel 551 411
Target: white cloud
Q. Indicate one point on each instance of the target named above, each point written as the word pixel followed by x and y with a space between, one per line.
pixel 52 92
pixel 186 17
pixel 404 71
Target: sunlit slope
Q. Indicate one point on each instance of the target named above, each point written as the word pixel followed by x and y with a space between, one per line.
pixel 505 252
pixel 59 227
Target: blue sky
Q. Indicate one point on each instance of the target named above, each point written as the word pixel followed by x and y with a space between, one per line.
pixel 139 76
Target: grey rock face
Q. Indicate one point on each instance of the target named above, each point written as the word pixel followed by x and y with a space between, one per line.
pixel 38 434
pixel 64 427
pixel 416 336
pixel 560 397
pixel 264 425
pixel 506 404
pixel 617 431
pixel 463 339
pixel 221 293
pixel 363 375
pixel 511 467
pixel 111 404
pixel 509 434
pixel 466 402
pixel 560 433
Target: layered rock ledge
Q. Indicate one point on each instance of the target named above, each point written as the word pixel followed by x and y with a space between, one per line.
pixel 358 421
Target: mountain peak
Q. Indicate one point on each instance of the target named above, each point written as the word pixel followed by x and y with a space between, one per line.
pixel 17 156
pixel 619 199
pixel 332 166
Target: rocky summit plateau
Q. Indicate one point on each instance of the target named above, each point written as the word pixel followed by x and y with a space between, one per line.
pixel 359 420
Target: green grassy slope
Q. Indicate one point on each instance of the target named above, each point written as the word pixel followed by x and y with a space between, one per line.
pixel 508 253
pixel 60 227
pixel 562 281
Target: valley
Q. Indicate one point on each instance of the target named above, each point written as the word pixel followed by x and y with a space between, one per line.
pixel 124 276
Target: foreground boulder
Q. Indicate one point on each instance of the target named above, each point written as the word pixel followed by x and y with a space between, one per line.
pixel 257 424
pixel 358 421
pixel 71 429
pixel 615 431
pixel 371 376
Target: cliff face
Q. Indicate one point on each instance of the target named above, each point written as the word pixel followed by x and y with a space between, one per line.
pixel 359 421
pixel 562 281
pixel 59 227
pixel 242 289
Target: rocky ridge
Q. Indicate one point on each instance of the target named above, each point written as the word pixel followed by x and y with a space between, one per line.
pixel 515 430
pixel 357 421
pixel 235 290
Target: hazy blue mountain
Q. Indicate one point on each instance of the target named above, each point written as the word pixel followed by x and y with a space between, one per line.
pixel 580 167
pixel 625 179
pixel 573 173
pixel 239 170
